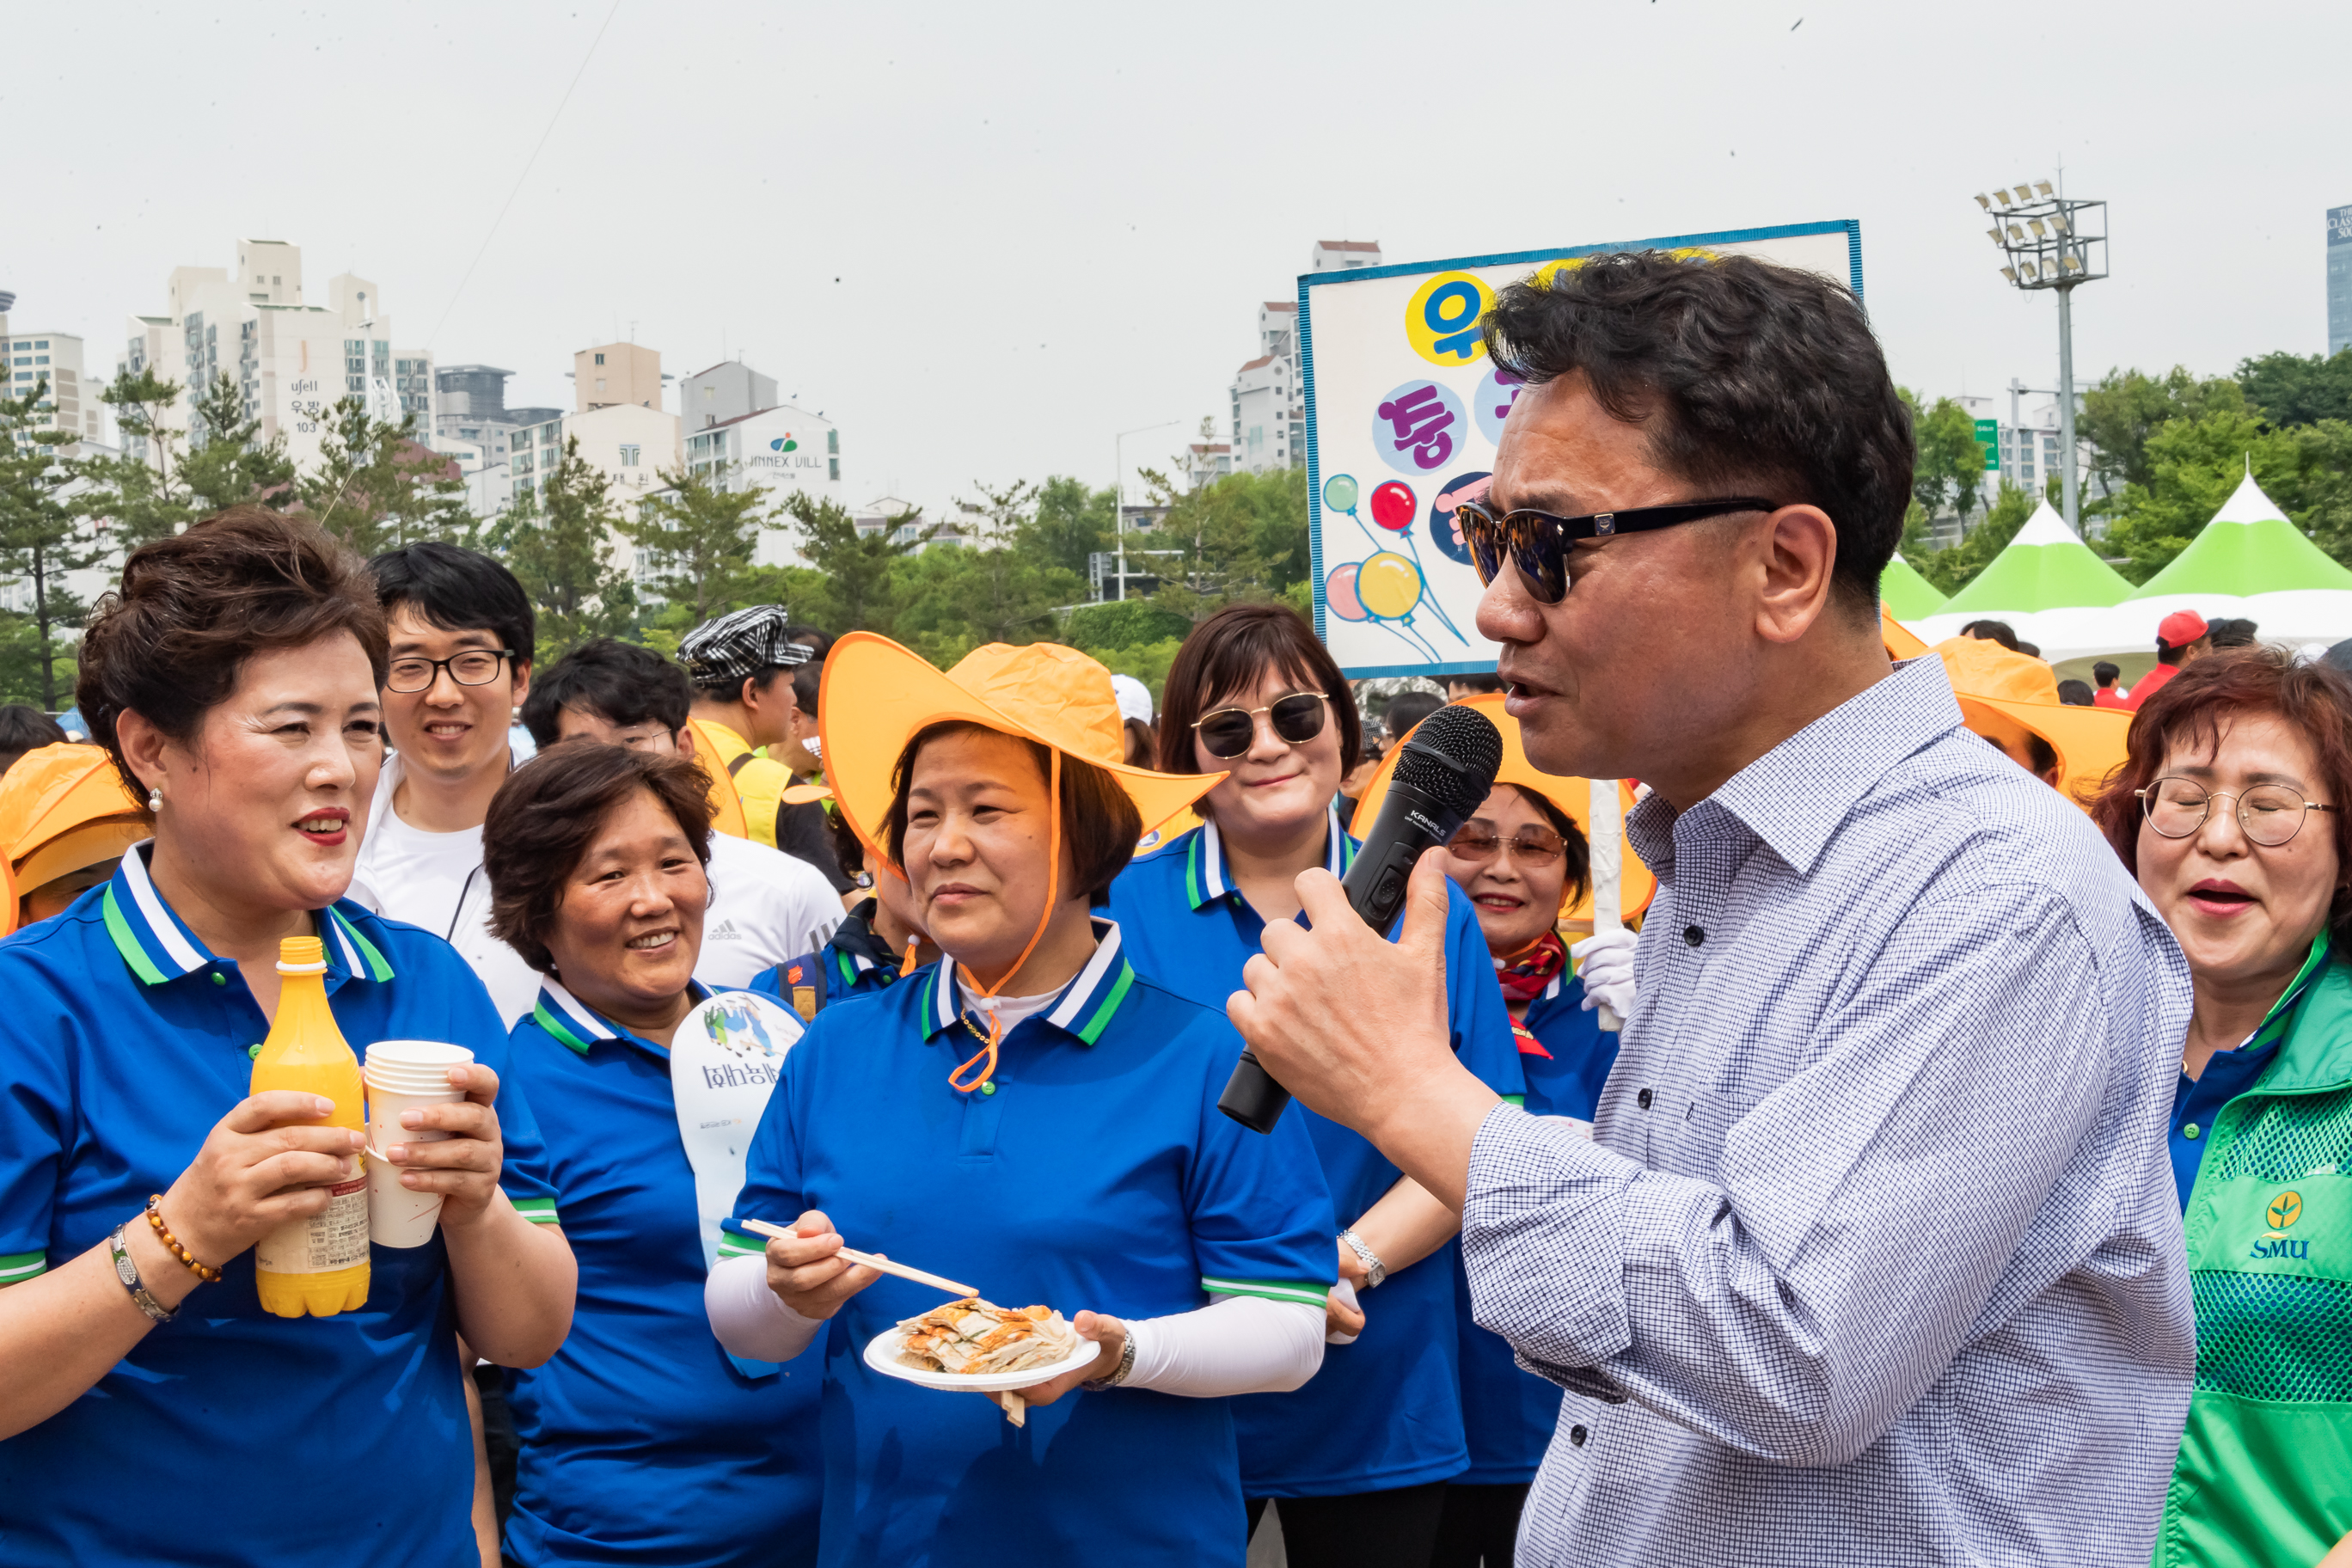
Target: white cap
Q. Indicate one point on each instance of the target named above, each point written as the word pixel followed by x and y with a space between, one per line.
pixel 1134 698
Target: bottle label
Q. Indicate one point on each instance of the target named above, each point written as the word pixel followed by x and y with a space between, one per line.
pixel 337 1238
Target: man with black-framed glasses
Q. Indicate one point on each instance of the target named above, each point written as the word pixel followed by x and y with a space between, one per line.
pixel 1873 1257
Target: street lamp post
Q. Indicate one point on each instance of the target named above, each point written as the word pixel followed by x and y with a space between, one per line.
pixel 1118 495
pixel 2052 241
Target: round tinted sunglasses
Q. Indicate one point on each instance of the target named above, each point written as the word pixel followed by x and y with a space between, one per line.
pixel 1228 731
pixel 1537 542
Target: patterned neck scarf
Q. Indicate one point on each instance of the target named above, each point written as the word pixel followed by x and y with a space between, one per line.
pixel 1527 972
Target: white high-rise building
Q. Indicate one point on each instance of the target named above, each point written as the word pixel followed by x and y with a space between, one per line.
pixel 1268 400
pixel 29 359
pixel 781 450
pixel 291 361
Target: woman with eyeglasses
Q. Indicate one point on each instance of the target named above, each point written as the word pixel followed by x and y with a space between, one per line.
pixel 1356 1460
pixel 2231 812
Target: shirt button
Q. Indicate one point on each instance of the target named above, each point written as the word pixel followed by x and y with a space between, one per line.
pixel 1643 1099
pixel 218 978
pixel 2189 1132
pixel 988 1088
pixel 254 1051
pixel 1576 1435
pixel 1694 935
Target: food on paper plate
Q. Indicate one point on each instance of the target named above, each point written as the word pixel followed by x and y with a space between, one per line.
pixel 975 1337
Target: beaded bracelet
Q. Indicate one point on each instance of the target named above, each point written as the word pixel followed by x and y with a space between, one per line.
pixel 172 1243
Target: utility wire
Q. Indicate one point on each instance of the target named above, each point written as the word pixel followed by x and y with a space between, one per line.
pixel 527 164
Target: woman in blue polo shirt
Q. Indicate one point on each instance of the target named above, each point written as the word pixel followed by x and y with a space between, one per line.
pixel 154 1412
pixel 1035 1117
pixel 1359 1458
pixel 641 1441
pixel 880 940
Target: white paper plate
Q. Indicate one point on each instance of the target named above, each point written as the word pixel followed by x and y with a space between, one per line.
pixel 882 1355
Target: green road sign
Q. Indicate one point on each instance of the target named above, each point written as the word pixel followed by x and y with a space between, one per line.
pixel 1988 438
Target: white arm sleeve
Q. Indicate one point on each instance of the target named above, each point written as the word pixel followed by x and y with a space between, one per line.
pixel 1235 1345
pixel 751 1319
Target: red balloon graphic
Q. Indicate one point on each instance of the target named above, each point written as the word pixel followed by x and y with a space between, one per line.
pixel 1393 506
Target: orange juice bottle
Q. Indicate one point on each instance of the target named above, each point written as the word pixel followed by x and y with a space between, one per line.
pixel 318 1265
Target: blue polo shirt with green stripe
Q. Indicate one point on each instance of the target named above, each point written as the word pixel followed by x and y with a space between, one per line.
pixel 1386 1411
pixel 122 1042
pixel 1094 1171
pixel 642 1442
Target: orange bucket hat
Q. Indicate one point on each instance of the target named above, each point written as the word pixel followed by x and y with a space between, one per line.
pixel 2002 692
pixel 62 808
pixel 1571 796
pixel 877 694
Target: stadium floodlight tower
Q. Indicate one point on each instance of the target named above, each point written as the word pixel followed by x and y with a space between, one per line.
pixel 2052 241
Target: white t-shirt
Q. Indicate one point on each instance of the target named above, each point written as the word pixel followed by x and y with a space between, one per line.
pixel 766 907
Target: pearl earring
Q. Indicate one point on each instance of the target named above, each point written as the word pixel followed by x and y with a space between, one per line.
pixel 155 799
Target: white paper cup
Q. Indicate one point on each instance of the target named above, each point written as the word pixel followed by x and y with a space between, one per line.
pixel 402 1075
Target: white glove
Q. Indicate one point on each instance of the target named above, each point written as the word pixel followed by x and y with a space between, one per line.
pixel 1605 964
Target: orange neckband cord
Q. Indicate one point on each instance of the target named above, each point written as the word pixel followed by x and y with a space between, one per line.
pixel 987 1053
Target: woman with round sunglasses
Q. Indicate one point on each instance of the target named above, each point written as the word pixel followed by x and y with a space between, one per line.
pixel 1032 1115
pixel 1355 1462
pixel 2230 813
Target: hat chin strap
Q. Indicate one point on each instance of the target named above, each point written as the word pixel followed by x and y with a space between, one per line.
pixel 985 1058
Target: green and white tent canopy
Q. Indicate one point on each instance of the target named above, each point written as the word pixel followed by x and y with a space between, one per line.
pixel 2047 584
pixel 1905 593
pixel 2252 562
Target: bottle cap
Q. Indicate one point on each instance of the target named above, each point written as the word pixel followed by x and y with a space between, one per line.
pixel 302 955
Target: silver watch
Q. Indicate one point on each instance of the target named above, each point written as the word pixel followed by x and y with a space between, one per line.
pixel 1119 1373
pixel 128 1272
pixel 1375 1271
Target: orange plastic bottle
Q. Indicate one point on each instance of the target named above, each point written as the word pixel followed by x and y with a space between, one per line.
pixel 315 1266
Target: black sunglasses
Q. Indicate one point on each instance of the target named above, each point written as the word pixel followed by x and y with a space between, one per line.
pixel 1228 731
pixel 1537 542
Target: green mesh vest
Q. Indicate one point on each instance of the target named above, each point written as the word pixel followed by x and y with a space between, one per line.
pixel 2265 1470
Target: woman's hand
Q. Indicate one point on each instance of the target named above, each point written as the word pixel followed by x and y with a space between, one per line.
pixel 268 1160
pixel 807 1277
pixel 1105 1331
pixel 463 1167
pixel 1339 1317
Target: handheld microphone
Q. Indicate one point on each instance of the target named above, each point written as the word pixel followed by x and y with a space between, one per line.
pixel 1444 773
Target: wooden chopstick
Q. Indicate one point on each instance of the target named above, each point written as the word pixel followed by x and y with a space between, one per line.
pixel 881 1265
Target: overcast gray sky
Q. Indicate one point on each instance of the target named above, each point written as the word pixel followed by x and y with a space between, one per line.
pixel 984 238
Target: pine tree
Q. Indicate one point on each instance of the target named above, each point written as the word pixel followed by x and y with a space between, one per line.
pixel 558 541
pixel 228 464
pixel 376 488
pixel 700 539
pixel 143 493
pixel 41 538
pixel 857 568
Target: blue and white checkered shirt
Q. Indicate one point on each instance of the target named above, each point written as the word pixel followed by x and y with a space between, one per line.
pixel 1874 1258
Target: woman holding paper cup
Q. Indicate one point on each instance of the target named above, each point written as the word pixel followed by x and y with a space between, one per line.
pixel 642 1441
pixel 1035 1117
pixel 1524 863
pixel 146 1397
pixel 1358 1460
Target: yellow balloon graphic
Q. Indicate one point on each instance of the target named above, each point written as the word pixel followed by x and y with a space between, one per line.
pixel 1388 586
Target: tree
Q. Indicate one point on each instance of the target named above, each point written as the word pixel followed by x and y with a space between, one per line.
pixel 1072 522
pixel 2195 463
pixel 557 542
pixel 997 587
pixel 41 538
pixel 228 464
pixel 2126 408
pixel 140 494
pixel 856 568
pixel 700 540
pixel 1240 538
pixel 2292 389
pixel 1953 570
pixel 1947 474
pixel 377 489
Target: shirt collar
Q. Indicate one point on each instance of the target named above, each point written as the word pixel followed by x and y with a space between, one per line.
pixel 159 947
pixel 1206 879
pixel 1087 1005
pixel 2275 1023
pixel 576 1023
pixel 860 948
pixel 1794 796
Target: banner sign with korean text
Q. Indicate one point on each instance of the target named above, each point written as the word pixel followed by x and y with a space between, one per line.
pixel 1403 410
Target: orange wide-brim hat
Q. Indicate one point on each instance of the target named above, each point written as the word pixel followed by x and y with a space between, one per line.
pixel 2000 691
pixel 876 696
pixel 1571 796
pixel 63 808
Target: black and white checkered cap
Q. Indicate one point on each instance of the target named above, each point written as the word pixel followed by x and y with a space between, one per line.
pixel 739 645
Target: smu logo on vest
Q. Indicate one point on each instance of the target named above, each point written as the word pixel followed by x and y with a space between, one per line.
pixel 2284 1211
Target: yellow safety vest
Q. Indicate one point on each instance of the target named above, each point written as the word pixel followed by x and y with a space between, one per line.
pixel 746 789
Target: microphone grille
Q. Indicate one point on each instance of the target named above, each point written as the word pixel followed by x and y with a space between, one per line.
pixel 1452 757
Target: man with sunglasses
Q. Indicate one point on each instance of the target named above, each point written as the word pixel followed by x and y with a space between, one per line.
pixel 1874 1256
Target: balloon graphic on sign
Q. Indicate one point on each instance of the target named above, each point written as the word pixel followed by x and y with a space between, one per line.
pixel 1339 592
pixel 1339 493
pixel 1420 426
pixel 1394 506
pixel 1496 393
pixel 1388 586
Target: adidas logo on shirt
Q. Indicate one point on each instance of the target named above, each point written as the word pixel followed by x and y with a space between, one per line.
pixel 723 932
